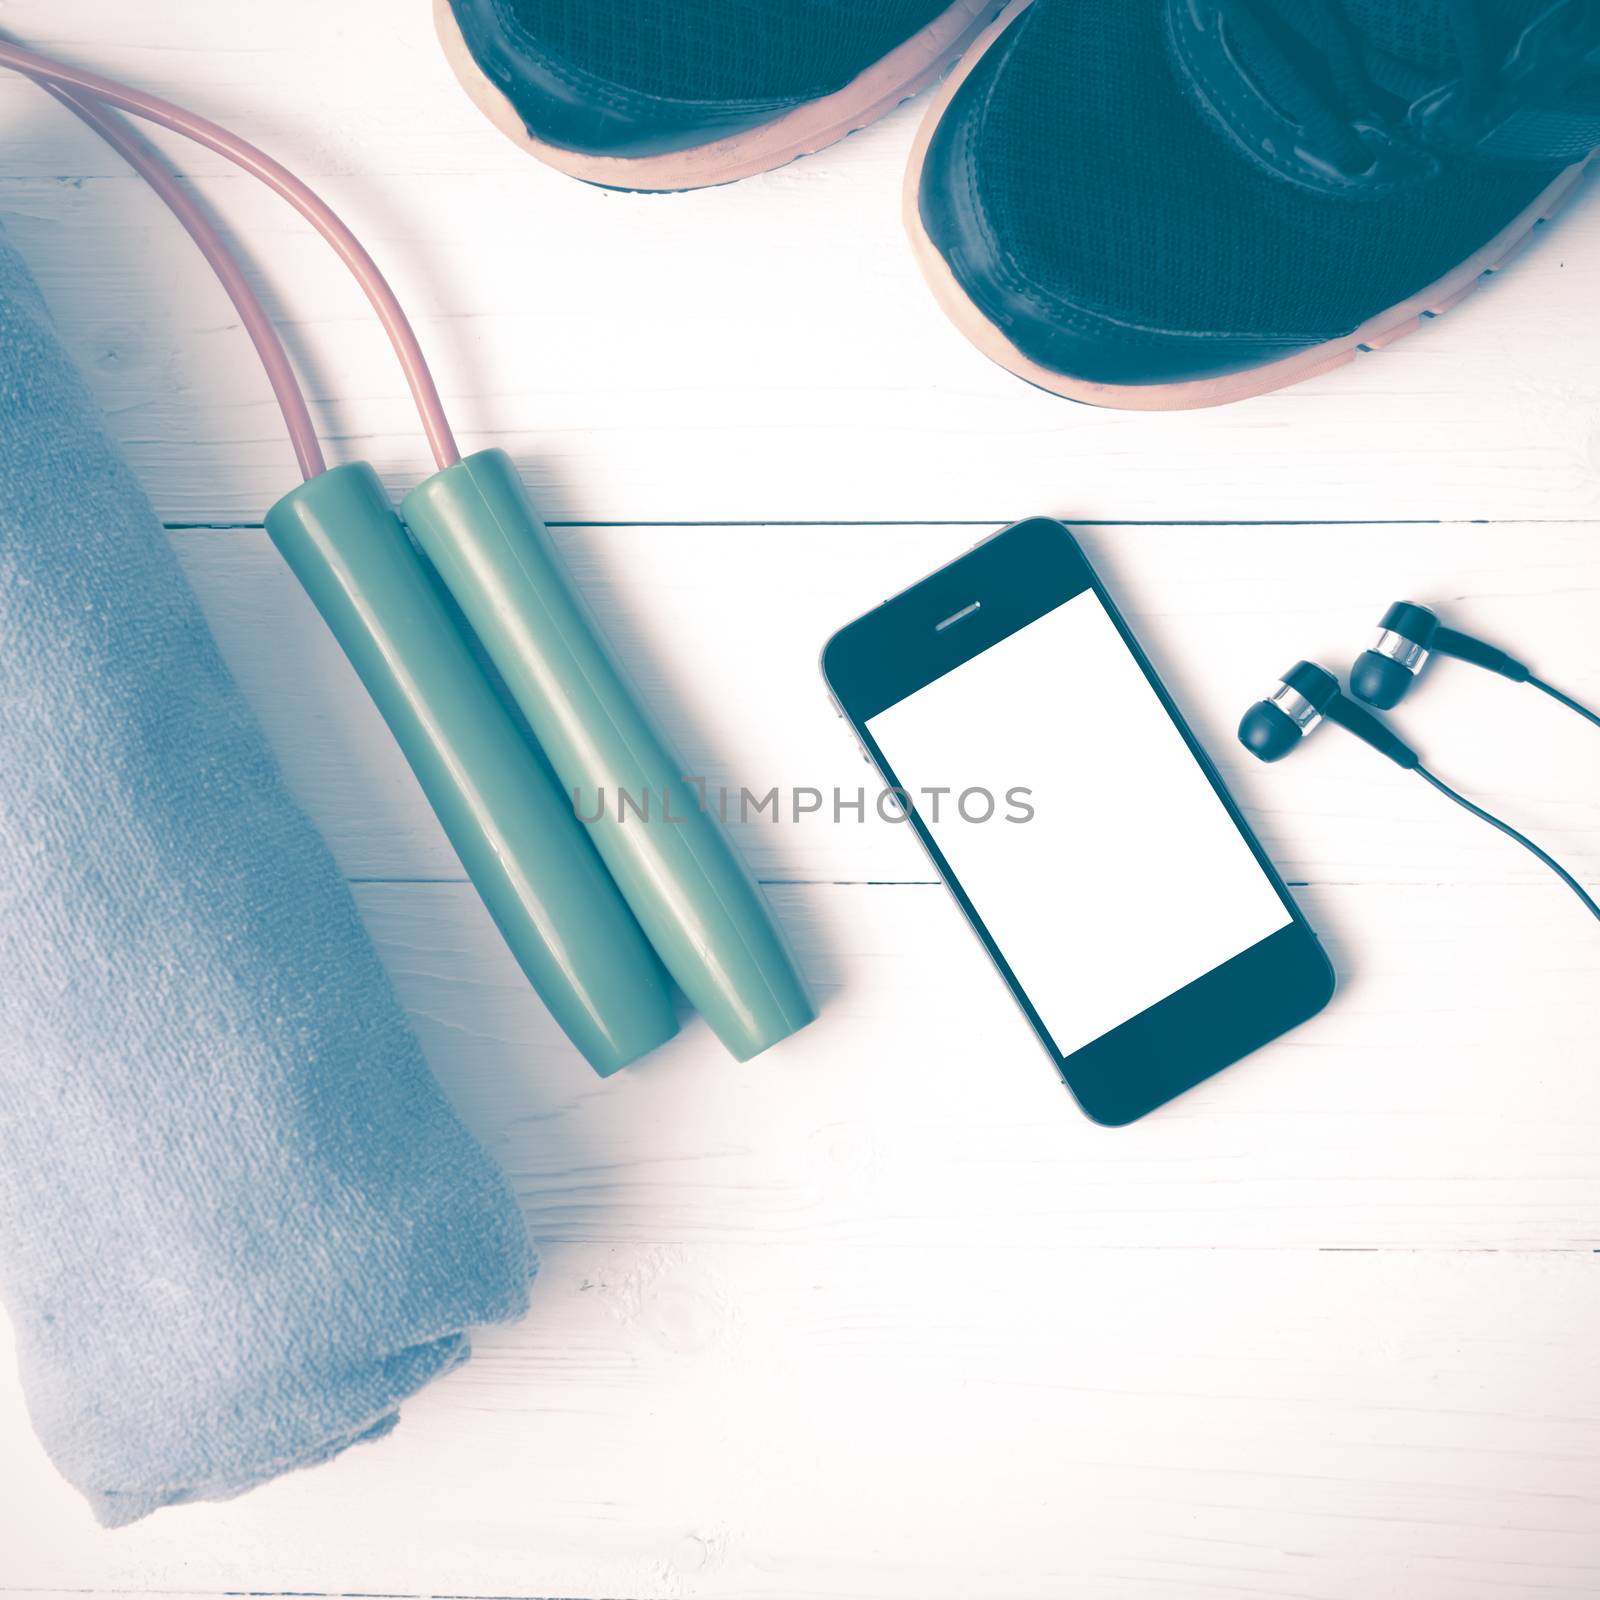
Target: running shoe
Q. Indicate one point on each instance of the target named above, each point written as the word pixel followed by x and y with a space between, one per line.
pixel 1159 204
pixel 679 94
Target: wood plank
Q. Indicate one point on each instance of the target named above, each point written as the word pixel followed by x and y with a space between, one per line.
pixel 765 350
pixel 824 1419
pixel 1447 1097
pixel 721 628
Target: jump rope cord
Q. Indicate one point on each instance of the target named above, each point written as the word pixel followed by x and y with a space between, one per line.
pixel 1565 699
pixel 1511 833
pixel 257 323
pixel 79 84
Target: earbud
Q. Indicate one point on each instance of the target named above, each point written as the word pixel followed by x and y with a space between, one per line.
pixel 1306 696
pixel 1407 636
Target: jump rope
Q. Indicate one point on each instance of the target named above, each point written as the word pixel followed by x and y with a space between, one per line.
pixel 599 913
pixel 592 914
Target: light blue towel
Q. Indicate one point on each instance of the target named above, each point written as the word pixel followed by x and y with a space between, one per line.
pixel 238 1221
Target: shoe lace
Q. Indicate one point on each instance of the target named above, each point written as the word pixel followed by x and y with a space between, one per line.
pixel 1308 59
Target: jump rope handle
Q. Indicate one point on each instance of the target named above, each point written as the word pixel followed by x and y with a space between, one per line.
pixel 527 855
pixel 700 909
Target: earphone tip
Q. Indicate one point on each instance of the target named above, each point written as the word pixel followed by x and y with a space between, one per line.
pixel 1267 732
pixel 1379 681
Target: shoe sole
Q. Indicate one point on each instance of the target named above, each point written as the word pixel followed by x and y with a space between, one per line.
pixel 1194 394
pixel 897 77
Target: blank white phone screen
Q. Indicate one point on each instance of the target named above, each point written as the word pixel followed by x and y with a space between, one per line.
pixel 1130 880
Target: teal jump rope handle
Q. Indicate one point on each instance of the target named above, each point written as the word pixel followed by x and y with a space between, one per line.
pixel 677 870
pixel 525 851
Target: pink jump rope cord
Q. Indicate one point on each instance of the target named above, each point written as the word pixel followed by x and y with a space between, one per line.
pixel 78 84
pixel 280 373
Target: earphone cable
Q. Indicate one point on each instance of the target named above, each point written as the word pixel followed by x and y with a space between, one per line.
pixel 1565 699
pixel 257 323
pixel 1511 833
pixel 306 201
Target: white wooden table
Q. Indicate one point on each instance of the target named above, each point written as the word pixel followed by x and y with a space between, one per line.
pixel 880 1314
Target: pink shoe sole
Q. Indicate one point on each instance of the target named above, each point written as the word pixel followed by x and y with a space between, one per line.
pixel 904 72
pixel 1374 334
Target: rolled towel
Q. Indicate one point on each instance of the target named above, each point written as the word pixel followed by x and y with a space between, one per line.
pixel 239 1222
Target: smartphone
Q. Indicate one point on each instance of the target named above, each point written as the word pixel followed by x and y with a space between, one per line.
pixel 1077 822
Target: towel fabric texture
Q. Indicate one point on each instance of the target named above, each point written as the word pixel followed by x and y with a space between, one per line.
pixel 239 1222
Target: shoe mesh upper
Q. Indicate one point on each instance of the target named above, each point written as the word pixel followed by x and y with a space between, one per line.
pixel 1417 31
pixel 721 50
pixel 1106 187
